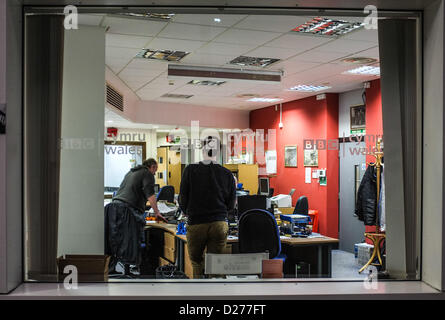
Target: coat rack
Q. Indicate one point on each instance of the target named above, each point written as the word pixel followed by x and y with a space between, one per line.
pixel 376 237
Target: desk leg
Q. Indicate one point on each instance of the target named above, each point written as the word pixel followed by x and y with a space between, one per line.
pixel 180 256
pixel 319 261
pixel 329 262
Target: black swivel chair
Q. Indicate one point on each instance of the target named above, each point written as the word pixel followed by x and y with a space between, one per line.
pixel 258 232
pixel 302 206
pixel 167 193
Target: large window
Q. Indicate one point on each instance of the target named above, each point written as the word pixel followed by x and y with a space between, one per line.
pixel 324 155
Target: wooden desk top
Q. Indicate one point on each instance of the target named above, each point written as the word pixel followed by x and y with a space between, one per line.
pixel 171 228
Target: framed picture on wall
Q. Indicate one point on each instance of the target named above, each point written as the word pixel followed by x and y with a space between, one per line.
pixel 358 117
pixel 290 156
pixel 311 157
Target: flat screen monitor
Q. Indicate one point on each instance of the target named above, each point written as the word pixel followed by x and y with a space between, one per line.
pixel 264 186
pixel 246 203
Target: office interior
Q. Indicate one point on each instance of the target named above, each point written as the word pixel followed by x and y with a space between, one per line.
pixel 308 137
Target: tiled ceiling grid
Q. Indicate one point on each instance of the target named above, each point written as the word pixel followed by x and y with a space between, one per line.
pixel 305 59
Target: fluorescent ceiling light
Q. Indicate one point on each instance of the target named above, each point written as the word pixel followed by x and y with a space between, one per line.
pixel 310 88
pixel 327 27
pixel 206 82
pixel 215 74
pixel 365 70
pixel 166 55
pixel 217 19
pixel 246 61
pixel 264 99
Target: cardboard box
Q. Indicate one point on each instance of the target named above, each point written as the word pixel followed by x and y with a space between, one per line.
pixel 163 262
pixel 272 269
pixel 169 254
pixel 90 268
pixel 169 240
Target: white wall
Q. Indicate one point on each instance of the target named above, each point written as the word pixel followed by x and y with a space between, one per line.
pixel 432 235
pixel 81 213
pixel 346 101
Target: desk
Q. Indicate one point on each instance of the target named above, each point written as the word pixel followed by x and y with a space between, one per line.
pixel 290 246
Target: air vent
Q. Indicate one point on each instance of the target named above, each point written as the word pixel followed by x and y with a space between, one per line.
pixel 114 98
pixel 176 96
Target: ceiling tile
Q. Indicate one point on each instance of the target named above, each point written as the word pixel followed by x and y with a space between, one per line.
pixel 227 20
pixel 121 53
pixel 320 56
pixel 174 44
pixel 150 65
pixel 126 41
pixel 363 34
pixel 239 36
pixel 150 94
pixel 116 64
pixel 298 42
pixel 90 19
pixel 190 32
pixel 271 23
pixel 370 53
pixel 269 52
pixel 207 59
pixel 133 26
pixel 346 46
pixel 292 66
pixel 225 48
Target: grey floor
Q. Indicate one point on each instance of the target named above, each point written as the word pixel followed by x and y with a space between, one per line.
pixel 344 266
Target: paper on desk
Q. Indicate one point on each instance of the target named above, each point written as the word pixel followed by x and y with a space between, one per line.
pixel 315 235
pixel 232 238
pixel 163 208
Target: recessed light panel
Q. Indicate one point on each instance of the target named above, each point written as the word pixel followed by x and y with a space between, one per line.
pixel 253 61
pixel 327 27
pixel 176 96
pixel 206 82
pixel 150 16
pixel 264 100
pixel 365 70
pixel 305 88
pixel 167 55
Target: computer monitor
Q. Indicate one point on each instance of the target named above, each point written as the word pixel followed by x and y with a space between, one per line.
pixel 246 203
pixel 264 186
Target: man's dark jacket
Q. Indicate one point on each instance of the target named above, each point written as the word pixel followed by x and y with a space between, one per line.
pixel 366 206
pixel 207 193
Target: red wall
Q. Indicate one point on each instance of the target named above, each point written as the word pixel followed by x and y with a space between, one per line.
pixel 306 119
pixel 315 119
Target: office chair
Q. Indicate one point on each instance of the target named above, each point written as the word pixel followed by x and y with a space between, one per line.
pixel 167 193
pixel 302 206
pixel 258 232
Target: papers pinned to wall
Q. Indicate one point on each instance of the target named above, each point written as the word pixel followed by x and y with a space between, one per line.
pixel 271 161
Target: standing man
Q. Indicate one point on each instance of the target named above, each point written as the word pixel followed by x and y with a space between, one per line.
pixel 207 193
pixel 124 216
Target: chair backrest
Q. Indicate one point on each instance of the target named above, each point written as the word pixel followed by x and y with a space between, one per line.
pixel 249 202
pixel 258 232
pixel 302 206
pixel 167 193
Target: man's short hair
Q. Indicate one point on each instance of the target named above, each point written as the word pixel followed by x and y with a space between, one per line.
pixel 210 146
pixel 150 162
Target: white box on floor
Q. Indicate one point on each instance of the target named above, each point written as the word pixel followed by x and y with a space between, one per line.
pixel 364 252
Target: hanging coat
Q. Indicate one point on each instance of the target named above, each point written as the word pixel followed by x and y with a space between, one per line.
pixel 367 197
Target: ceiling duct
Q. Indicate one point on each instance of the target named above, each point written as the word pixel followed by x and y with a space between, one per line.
pixel 114 98
pixel 209 73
